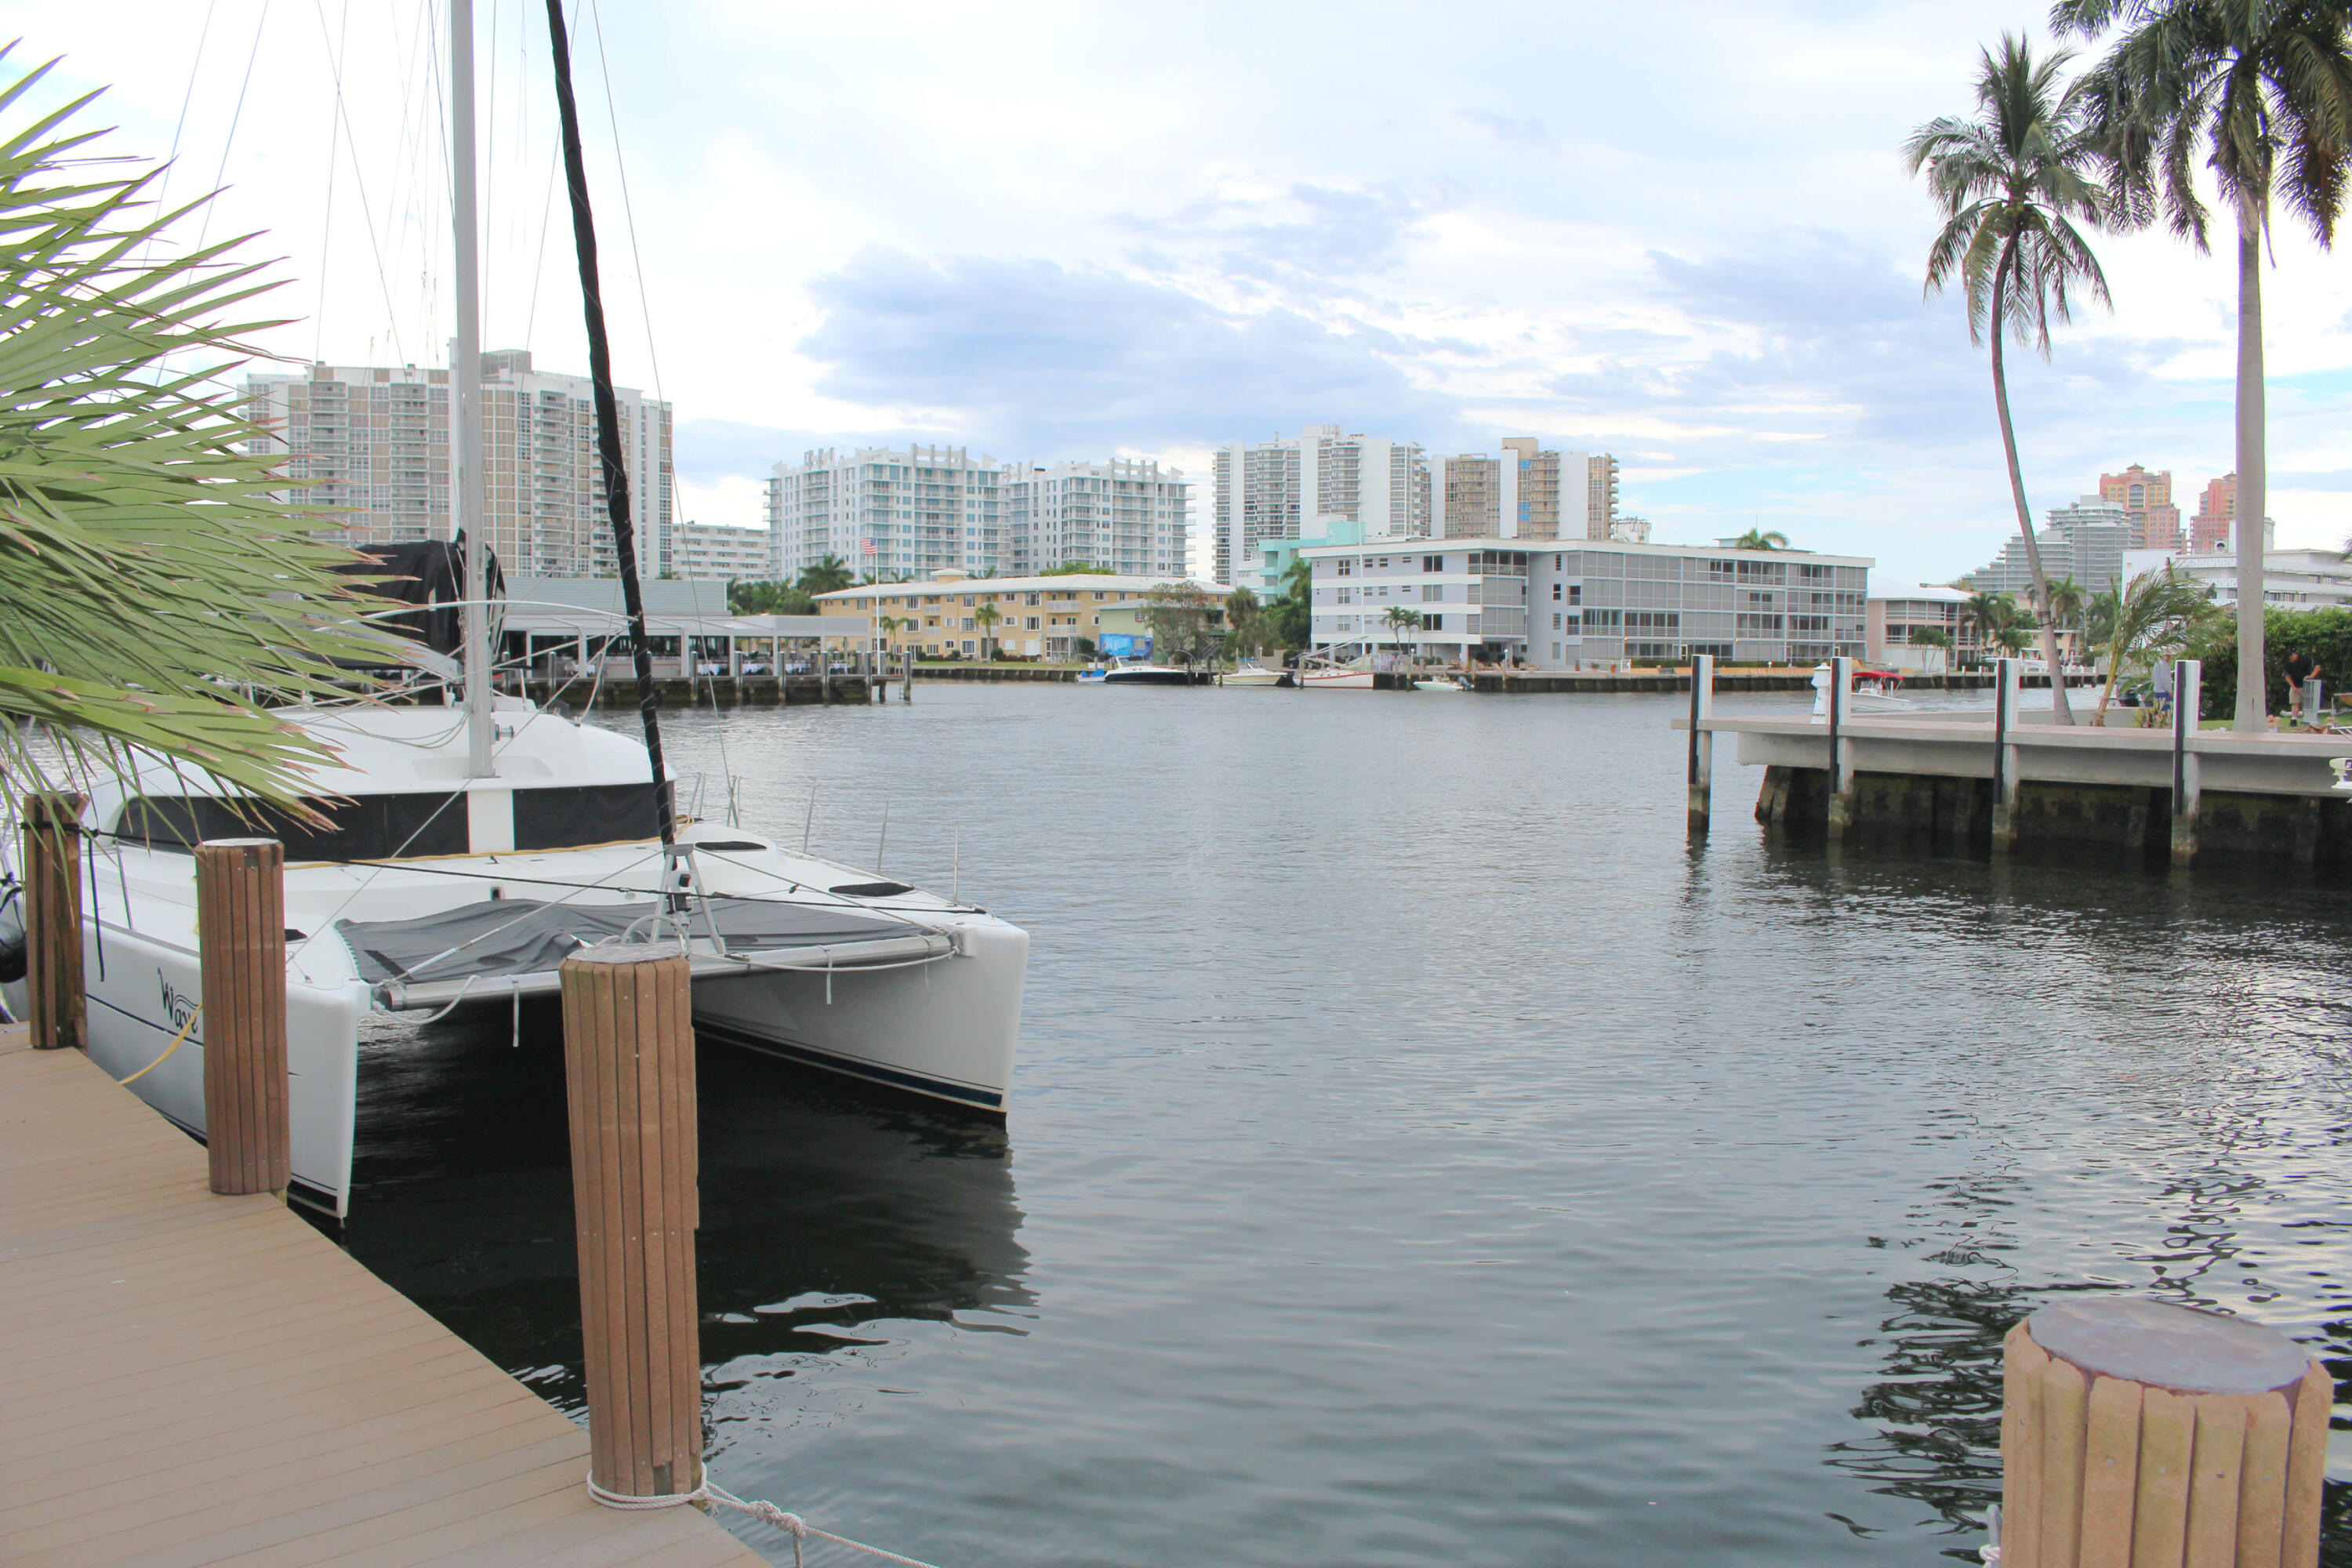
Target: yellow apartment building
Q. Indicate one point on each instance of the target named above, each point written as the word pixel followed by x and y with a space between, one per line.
pixel 1036 617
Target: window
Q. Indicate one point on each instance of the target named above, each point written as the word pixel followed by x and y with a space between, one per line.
pixel 1576 592
pixel 1556 590
pixel 1346 566
pixel 1433 563
pixel 1432 593
pixel 1346 596
pixel 1031 623
pixel 966 601
pixel 1555 620
pixel 1384 562
pixel 1032 599
pixel 968 622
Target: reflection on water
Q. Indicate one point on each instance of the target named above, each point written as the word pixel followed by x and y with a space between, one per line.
pixel 1423 1155
pixel 822 1209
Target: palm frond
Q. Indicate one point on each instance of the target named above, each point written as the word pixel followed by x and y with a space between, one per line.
pixel 156 592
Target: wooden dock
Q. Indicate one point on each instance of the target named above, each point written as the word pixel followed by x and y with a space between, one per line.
pixel 192 1379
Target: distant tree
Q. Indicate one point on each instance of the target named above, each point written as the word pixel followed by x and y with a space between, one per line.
pixel 2012 184
pixel 1084 647
pixel 769 599
pixel 2264 91
pixel 1290 620
pixel 1182 618
pixel 1761 538
pixel 1247 627
pixel 2065 603
pixel 827 576
pixel 1078 569
pixel 2099 617
pixel 1930 636
pixel 988 615
pixel 1997 618
pixel 1400 621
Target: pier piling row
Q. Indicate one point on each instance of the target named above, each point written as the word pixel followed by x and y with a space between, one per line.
pixel 2010 776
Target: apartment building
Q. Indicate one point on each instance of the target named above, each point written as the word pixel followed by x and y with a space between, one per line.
pixel 1125 515
pixel 952 615
pixel 1320 483
pixel 720 552
pixel 1528 493
pixel 1897 613
pixel 2084 542
pixel 372 445
pixel 895 512
pixel 2147 501
pixel 1587 603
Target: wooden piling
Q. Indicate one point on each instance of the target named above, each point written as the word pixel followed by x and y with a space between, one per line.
pixel 52 862
pixel 2188 775
pixel 241 939
pixel 1840 705
pixel 1702 743
pixel 628 1055
pixel 2005 673
pixel 2136 1434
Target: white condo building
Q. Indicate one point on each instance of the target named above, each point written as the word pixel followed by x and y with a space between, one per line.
pixel 1318 484
pixel 720 553
pixel 1565 604
pixel 1127 515
pixel 371 443
pixel 893 512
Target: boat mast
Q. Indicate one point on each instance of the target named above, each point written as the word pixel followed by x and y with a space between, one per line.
pixel 466 398
pixel 614 470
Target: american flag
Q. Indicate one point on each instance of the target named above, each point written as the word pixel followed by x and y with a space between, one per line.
pixel 867 547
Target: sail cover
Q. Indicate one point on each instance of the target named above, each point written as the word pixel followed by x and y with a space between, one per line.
pixel 498 946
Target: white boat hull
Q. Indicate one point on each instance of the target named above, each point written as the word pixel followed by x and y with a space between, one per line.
pixel 1335 680
pixel 1253 678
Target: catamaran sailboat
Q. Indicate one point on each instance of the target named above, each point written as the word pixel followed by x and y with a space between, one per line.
pixel 470 847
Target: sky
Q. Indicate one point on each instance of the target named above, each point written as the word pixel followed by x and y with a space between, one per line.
pixel 1681 234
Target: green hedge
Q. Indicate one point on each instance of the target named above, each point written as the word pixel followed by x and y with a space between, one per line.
pixel 2326 635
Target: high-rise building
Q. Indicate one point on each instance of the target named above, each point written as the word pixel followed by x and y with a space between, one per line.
pixel 2214 528
pixel 1528 493
pixel 718 552
pixel 372 446
pixel 1319 483
pixel 2084 542
pixel 1127 515
pixel 2147 501
pixel 895 513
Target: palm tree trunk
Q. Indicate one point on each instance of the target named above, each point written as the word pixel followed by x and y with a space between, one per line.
pixel 2017 492
pixel 2253 676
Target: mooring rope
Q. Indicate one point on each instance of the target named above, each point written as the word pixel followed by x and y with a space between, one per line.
pixel 792 1524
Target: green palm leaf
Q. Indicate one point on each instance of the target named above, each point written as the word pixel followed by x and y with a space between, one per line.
pixel 156 593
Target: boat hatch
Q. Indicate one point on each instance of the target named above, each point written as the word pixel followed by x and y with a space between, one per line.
pixel 416 825
pixel 505 947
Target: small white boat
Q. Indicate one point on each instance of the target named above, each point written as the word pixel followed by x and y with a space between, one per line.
pixel 1874 691
pixel 1452 683
pixel 1255 675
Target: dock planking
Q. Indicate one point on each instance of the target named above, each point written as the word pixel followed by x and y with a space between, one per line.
pixel 196 1379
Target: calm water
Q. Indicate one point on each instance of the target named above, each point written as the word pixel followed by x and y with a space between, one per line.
pixel 1418 1155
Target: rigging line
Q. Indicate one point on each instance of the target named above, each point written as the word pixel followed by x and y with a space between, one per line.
pixel 375 247
pixel 431 277
pixel 206 227
pixel 489 164
pixel 334 156
pixel 628 213
pixel 546 210
pixel 163 189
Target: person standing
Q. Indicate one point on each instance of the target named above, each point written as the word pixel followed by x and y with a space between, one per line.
pixel 2301 667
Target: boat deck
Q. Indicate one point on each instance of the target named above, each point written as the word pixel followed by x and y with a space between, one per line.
pixel 197 1379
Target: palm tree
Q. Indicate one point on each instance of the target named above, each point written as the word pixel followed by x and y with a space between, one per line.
pixel 988 615
pixel 829 575
pixel 1993 615
pixel 2157 611
pixel 2013 184
pixel 2265 92
pixel 1400 621
pixel 1761 538
pixel 1246 629
pixel 154 592
pixel 2065 609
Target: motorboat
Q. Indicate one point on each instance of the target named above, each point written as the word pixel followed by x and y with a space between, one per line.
pixel 1324 673
pixel 1255 675
pixel 1121 673
pixel 1873 692
pixel 1449 683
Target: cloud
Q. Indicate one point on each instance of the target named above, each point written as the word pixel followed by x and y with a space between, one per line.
pixel 1528 130
pixel 1029 358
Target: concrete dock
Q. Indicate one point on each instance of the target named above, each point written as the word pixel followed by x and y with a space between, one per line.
pixel 197 1379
